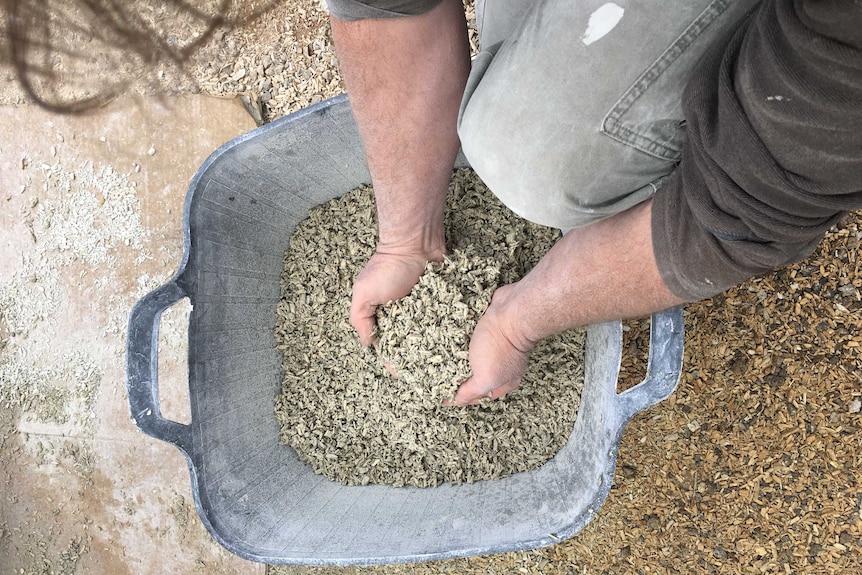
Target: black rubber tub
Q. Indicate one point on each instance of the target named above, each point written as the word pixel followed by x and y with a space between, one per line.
pixel 253 494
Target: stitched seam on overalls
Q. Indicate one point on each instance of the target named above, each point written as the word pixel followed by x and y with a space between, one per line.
pixel 613 125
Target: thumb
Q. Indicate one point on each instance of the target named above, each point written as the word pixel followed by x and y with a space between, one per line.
pixel 363 321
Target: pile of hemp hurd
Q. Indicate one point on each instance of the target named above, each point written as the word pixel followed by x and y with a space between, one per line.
pixel 342 410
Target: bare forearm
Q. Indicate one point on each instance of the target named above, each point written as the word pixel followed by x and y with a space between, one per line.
pixel 405 78
pixel 601 272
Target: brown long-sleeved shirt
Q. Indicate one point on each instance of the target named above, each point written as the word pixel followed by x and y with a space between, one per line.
pixel 773 156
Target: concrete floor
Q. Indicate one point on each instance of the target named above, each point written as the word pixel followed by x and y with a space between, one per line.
pixel 90 221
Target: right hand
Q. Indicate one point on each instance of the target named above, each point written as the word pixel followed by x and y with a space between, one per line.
pixel 388 276
pixel 498 352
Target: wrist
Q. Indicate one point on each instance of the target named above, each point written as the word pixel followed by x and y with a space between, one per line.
pixel 413 237
pixel 427 250
pixel 507 309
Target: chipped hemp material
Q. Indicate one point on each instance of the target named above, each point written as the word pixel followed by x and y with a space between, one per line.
pixel 343 412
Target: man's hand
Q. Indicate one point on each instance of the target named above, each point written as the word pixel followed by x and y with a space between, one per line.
pixel 498 356
pixel 386 277
pixel 598 273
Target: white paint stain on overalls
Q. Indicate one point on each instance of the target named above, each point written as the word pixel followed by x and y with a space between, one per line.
pixel 601 22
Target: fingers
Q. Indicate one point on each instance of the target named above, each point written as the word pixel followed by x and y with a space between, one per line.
pixel 363 321
pixel 388 367
pixel 472 392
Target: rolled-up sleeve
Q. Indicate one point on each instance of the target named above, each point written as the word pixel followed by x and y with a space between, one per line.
pixel 773 156
pixel 362 9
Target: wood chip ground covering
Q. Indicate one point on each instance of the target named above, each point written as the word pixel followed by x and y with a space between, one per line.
pixel 347 416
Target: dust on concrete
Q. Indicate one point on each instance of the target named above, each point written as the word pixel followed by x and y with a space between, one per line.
pixel 71 228
pixel 76 221
pixel 66 300
pixel 40 543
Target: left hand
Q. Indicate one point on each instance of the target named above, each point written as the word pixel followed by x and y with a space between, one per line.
pixel 498 356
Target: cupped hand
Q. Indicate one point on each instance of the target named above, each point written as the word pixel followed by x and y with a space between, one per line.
pixel 386 277
pixel 498 356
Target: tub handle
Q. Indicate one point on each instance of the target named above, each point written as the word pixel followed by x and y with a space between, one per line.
pixel 142 366
pixel 664 366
